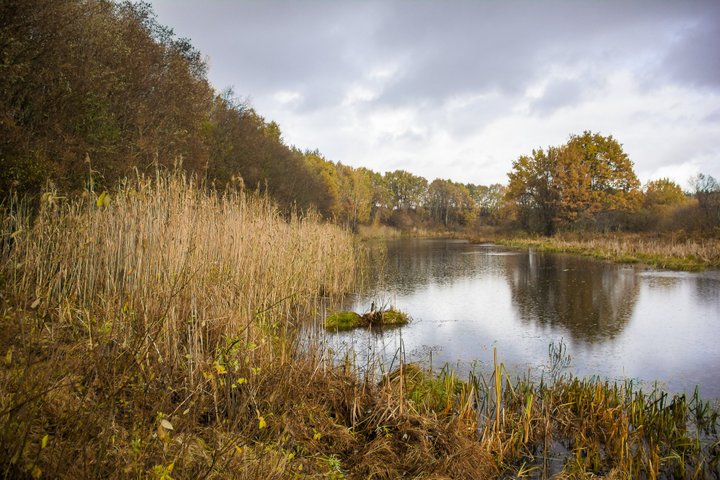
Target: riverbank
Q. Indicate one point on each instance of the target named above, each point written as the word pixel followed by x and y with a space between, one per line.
pixel 667 251
pixel 152 334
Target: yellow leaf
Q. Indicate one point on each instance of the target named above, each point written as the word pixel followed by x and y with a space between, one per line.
pixel 241 380
pixel 261 420
pixel 8 356
pixel 44 441
pixel 36 472
pixel 162 434
pixel 220 369
pixel 238 450
pixel 103 200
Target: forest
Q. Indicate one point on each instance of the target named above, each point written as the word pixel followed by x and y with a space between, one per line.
pixel 95 91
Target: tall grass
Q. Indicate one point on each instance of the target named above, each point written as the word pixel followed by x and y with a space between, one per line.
pixel 134 301
pixel 185 267
pixel 150 333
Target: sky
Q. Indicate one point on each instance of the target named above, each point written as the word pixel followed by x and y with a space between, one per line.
pixel 459 89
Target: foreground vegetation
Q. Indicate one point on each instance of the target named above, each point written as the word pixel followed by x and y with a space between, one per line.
pixel 152 332
pixel 669 251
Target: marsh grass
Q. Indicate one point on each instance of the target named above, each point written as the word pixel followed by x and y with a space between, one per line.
pixel 672 251
pixel 152 334
pixel 378 319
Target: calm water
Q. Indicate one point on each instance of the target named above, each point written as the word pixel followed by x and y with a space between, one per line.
pixel 617 321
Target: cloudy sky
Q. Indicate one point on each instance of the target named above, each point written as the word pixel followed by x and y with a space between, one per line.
pixel 459 89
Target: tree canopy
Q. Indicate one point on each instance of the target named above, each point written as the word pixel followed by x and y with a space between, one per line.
pixel 557 187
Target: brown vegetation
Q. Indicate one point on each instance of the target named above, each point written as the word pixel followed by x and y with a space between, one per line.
pixel 151 332
pixel 672 251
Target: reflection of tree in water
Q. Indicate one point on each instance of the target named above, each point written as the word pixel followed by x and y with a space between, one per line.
pixel 412 263
pixel 706 288
pixel 593 300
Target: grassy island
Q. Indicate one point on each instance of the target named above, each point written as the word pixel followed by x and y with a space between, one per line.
pixel 374 319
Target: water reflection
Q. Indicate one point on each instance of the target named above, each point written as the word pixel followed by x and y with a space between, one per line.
pixel 592 300
pixel 618 321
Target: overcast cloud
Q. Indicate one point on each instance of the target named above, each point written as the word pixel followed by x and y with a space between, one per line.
pixel 460 89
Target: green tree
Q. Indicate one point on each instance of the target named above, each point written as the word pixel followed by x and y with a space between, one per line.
pixel 381 202
pixel 329 197
pixel 489 201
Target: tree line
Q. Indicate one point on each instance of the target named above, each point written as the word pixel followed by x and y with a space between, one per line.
pixel 92 91
pixel 589 184
pixel 99 89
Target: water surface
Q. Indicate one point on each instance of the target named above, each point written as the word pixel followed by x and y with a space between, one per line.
pixel 617 321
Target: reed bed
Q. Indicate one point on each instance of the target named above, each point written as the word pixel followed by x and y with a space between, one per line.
pixel 151 333
pixel 185 266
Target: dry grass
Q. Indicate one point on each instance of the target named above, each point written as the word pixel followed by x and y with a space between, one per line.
pixel 673 251
pixel 154 336
pixel 186 267
pixel 130 307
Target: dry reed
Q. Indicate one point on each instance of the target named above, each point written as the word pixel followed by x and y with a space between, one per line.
pixel 185 266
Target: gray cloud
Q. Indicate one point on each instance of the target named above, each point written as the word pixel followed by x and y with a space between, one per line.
pixel 695 58
pixel 379 82
pixel 559 94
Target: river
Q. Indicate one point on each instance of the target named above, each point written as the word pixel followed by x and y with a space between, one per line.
pixel 616 321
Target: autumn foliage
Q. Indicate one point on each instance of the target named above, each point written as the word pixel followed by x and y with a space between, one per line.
pixel 579 182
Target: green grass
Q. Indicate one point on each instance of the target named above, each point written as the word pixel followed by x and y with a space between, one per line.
pixel 379 318
pixel 344 321
pixel 394 317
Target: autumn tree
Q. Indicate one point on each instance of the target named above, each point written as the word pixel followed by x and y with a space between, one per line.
pixel 450 203
pixel 707 192
pixel 96 80
pixel 407 190
pixel 595 175
pixel 489 201
pixel 663 192
pixel 534 190
pixel 587 177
